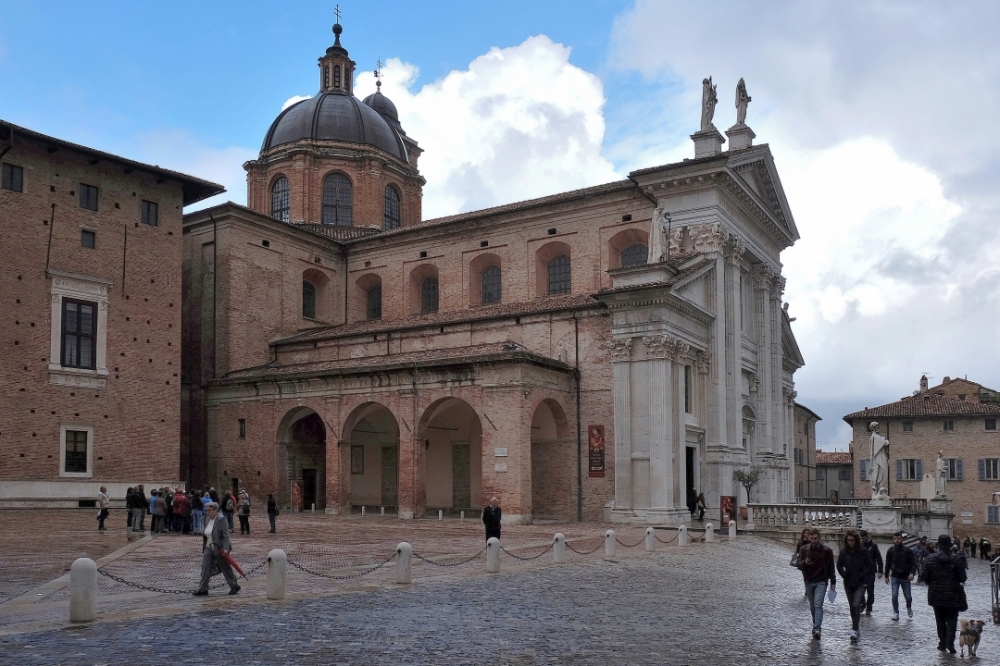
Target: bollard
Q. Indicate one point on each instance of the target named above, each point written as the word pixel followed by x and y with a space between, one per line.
pixel 709 533
pixel 493 555
pixel 440 514
pixel 650 540
pixel 610 544
pixel 404 570
pixel 83 590
pixel 682 535
pixel 732 530
pixel 382 509
pixel 462 516
pixel 362 510
pixel 277 574
pixel 559 549
pixel 314 507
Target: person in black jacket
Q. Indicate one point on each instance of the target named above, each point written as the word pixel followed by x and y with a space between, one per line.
pixel 816 563
pixel 491 518
pixel 854 565
pixel 876 556
pixel 900 567
pixel 943 575
pixel 272 511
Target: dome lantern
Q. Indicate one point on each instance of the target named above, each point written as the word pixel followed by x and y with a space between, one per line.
pixel 336 69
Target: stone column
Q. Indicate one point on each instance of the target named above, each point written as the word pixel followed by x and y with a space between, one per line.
pixel 766 395
pixel 621 352
pixel 678 355
pixel 661 478
pixel 734 256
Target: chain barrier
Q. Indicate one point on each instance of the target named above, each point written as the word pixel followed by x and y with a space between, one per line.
pixel 530 557
pixel 347 577
pixel 589 552
pixel 150 588
pixel 629 545
pixel 450 564
pixel 676 534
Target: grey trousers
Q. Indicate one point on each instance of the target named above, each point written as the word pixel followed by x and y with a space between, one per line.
pixel 208 559
pixel 137 515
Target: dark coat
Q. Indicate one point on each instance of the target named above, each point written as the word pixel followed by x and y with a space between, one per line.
pixel 942 572
pixel 855 567
pixel 816 564
pixel 491 519
pixel 900 562
pixel 876 557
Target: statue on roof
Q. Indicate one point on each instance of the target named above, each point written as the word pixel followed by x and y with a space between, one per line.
pixel 878 466
pixel 709 99
pixel 658 236
pixel 742 100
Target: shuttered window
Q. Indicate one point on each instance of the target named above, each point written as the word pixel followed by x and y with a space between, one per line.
pixel 909 469
pixel 864 470
pixel 989 469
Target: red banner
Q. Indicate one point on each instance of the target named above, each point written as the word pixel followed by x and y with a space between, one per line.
pixel 595 439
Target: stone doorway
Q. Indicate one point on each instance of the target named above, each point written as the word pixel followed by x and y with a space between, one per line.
pixel 309 477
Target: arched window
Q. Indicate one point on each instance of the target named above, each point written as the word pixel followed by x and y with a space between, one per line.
pixel 391 207
pixel 373 302
pixel 429 295
pixel 308 299
pixel 326 77
pixel 491 285
pixel 559 276
pixel 279 199
pixel 336 76
pixel 634 255
pixel 337 200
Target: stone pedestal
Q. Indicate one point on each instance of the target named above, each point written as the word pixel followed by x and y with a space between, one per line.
pixel 880 518
pixel 740 137
pixel 941 516
pixel 707 142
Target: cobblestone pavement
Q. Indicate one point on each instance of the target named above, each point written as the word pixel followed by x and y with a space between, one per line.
pixel 725 603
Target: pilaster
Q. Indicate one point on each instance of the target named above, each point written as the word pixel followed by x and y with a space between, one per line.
pixel 621 353
pixel 661 417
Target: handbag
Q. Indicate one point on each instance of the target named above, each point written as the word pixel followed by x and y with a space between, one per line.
pixel 795 559
pixel 963 601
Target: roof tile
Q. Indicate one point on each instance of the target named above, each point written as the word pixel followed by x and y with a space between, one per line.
pixel 925 404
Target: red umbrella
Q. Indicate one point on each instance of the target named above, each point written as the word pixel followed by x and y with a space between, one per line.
pixel 231 562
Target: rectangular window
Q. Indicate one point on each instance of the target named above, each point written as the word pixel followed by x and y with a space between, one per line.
pixel 993 515
pixel 953 469
pixel 150 213
pixel 989 469
pixel 687 389
pixel 75 460
pixel 88 239
pixel 88 197
pixel 949 425
pixel 13 178
pixel 909 469
pixel 79 334
pixel 844 475
pixel 991 424
pixel 243 428
pixel 907 426
pixel 864 470
pixel 820 474
pixel 357 459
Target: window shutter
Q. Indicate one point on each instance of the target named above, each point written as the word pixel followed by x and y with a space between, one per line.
pixel 920 469
pixel 864 470
pixel 982 469
pixel 993 514
pixel 959 472
pixel 899 470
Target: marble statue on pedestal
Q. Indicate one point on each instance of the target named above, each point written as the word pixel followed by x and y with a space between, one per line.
pixel 658 241
pixel 940 475
pixel 878 462
pixel 709 99
pixel 742 99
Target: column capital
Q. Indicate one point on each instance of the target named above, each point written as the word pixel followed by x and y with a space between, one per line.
pixel 620 349
pixel 657 346
pixel 704 362
pixel 763 276
pixel 735 247
pixel 678 350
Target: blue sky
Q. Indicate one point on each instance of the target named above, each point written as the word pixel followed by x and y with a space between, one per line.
pixel 879 114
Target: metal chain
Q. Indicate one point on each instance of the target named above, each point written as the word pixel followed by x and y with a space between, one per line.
pixel 676 534
pixel 349 576
pixel 589 552
pixel 629 545
pixel 150 588
pixel 532 557
pixel 450 564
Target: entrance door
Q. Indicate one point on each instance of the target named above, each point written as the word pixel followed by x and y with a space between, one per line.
pixel 689 470
pixel 461 481
pixel 390 473
pixel 308 488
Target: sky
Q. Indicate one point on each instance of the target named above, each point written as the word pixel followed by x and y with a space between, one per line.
pixel 877 114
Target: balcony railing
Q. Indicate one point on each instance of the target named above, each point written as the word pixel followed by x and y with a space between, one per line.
pixel 799 516
pixel 908 505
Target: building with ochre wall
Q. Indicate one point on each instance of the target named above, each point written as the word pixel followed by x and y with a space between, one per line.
pixel 596 352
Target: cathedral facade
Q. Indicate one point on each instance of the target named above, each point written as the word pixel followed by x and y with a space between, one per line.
pixel 603 352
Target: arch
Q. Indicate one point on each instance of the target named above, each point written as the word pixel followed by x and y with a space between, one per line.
pixel 621 241
pixel 478 268
pixel 552 462
pixel 392 208
pixel 302 439
pixel 338 200
pixel 280 198
pixel 371 457
pixel 316 285
pixel 544 258
pixel 452 435
pixel 422 292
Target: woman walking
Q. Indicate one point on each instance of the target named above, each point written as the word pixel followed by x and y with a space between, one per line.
pixel 272 511
pixel 855 566
pixel 944 575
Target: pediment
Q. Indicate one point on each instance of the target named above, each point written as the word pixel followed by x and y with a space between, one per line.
pixel 757 171
pixel 697 288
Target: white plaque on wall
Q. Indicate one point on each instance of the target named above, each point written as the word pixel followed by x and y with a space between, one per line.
pixel 966 514
pixel 500 452
pixel 966 521
pixel 500 467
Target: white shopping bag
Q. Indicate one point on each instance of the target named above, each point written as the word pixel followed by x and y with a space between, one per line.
pixel 831 594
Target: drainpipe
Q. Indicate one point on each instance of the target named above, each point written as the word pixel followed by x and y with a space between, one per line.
pixel 579 434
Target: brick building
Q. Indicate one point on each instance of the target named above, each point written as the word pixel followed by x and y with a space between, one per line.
pixel 613 347
pixel 804 455
pixel 90 281
pixel 958 417
pixel 834 474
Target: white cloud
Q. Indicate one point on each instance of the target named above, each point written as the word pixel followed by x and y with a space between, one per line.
pixel 519 122
pixel 294 99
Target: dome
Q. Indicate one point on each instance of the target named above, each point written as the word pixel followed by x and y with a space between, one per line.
pixel 335 117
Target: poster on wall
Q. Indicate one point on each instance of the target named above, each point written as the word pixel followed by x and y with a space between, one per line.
pixel 595 438
pixel 727 504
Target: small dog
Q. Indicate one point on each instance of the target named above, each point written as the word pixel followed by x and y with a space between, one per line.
pixel 972 631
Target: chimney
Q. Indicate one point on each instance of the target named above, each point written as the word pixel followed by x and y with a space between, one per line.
pixel 923 383
pixel 946 379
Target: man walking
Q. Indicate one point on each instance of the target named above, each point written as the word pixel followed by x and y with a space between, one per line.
pixel 900 568
pixel 876 557
pixel 103 502
pixel 491 518
pixel 816 564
